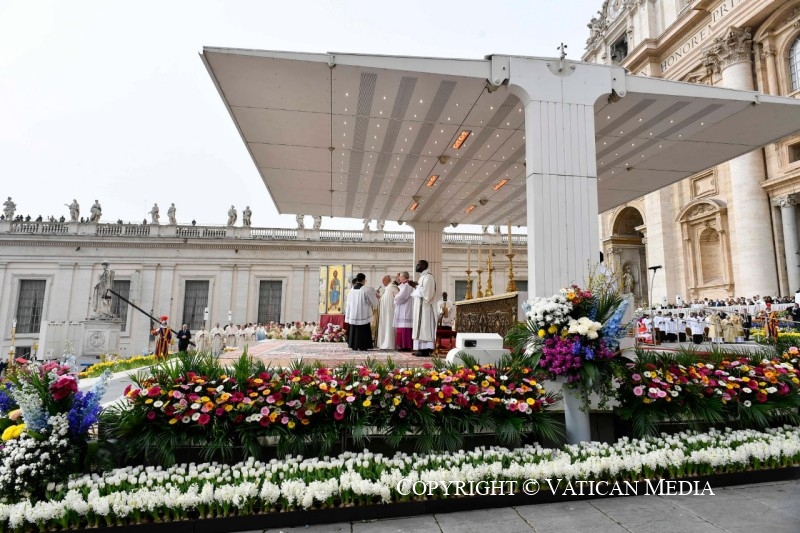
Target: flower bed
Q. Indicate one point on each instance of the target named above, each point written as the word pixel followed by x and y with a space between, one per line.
pixel 751 390
pixel 118 365
pixel 140 495
pixel 197 403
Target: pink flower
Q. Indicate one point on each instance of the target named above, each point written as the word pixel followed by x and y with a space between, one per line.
pixel 638 391
pixel 204 419
pixel 63 387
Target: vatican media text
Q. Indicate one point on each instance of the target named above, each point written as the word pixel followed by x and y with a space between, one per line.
pixel 555 486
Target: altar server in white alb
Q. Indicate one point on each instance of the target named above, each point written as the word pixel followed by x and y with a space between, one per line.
pixel 386 331
pixel 358 314
pixel 424 327
pixel 445 311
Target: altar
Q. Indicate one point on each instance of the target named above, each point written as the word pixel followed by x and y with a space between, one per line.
pixel 491 314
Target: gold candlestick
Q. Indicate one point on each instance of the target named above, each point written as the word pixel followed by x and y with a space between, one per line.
pixel 12 351
pixel 479 294
pixel 489 269
pixel 468 295
pixel 512 285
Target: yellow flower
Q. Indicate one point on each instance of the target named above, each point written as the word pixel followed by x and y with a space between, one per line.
pixel 530 401
pixel 12 432
pixel 552 329
pixel 173 421
pixel 291 424
pixel 541 333
pixel 396 401
pixel 366 403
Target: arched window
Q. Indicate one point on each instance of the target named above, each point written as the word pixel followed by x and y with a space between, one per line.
pixel 794 64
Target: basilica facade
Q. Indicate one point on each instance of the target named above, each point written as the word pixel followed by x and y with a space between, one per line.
pixel 730 230
pixel 201 275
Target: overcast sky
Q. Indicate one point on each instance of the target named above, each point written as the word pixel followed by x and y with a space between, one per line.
pixel 109 100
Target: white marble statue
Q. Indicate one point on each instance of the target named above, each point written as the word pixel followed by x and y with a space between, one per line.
pixel 366 224
pixel 8 208
pixel 74 210
pixel 381 223
pixel 154 215
pixel 96 212
pixel 171 215
pixel 246 214
pixel 317 222
pixel 232 216
pixel 102 298
pixel 300 223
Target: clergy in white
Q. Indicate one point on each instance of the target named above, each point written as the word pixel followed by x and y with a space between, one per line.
pixel 201 340
pixel 403 313
pixel 424 327
pixel 216 335
pixel 386 332
pixel 445 311
pixel 358 314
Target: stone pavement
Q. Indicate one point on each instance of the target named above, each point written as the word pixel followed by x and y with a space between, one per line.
pixel 771 507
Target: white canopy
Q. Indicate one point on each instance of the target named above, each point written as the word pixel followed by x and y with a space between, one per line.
pixel 361 136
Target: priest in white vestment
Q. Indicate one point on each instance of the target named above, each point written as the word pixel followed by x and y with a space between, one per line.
pixel 386 332
pixel 216 335
pixel 424 327
pixel 201 340
pixel 403 314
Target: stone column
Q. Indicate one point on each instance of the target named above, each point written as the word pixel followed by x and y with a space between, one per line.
pixel 558 97
pixel 754 267
pixel 768 54
pixel 561 166
pixel 428 246
pixel 791 244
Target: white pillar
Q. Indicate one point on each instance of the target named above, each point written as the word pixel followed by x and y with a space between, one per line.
pixel 561 177
pixel 428 246
pixel 561 167
pixel 788 205
pixel 754 264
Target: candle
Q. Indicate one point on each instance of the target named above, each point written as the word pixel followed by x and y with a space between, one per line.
pixel 489 260
pixel 469 256
pixel 509 238
pixel 479 256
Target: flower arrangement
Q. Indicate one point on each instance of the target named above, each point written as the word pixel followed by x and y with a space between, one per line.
pixel 118 365
pixel 331 333
pixel 54 433
pixel 575 335
pixel 139 494
pixel 751 390
pixel 307 405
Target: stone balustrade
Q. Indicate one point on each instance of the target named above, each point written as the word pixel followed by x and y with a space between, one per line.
pixel 222 232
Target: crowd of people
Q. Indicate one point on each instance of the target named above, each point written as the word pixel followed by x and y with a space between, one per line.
pixel 712 325
pixel 738 301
